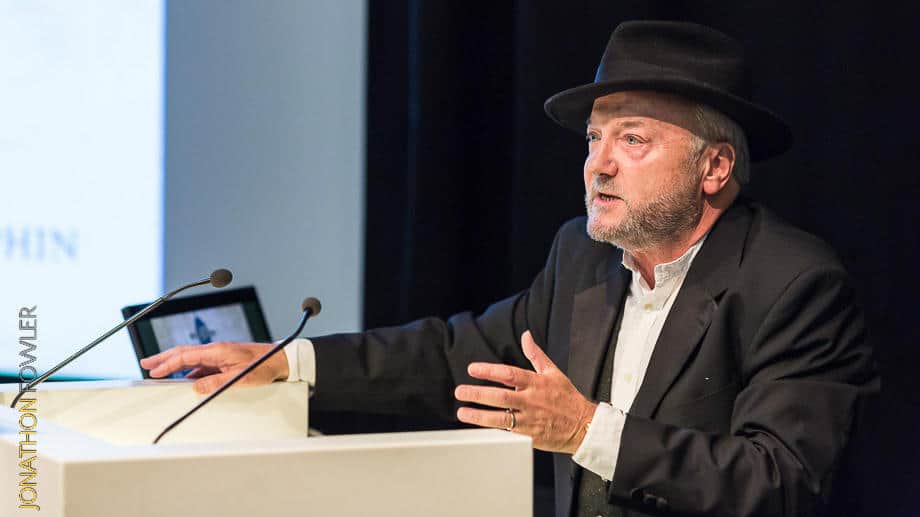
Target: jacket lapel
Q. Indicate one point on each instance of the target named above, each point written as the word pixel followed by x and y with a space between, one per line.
pixel 710 274
pixel 594 312
pixel 686 324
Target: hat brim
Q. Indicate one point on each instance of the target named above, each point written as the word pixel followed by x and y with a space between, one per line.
pixel 767 134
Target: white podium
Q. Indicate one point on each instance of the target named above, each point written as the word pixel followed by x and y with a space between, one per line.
pixel 246 454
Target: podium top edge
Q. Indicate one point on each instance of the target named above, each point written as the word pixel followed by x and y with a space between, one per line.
pixel 100 385
pixel 91 385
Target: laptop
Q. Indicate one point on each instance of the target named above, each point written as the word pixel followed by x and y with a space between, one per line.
pixel 226 315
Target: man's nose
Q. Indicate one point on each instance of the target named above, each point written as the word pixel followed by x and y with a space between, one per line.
pixel 601 161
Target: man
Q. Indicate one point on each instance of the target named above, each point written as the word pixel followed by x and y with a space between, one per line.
pixel 701 356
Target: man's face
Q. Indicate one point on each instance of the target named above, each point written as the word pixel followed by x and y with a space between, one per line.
pixel 643 173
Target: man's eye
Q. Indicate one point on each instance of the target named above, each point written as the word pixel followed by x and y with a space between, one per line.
pixel 633 140
pixel 592 137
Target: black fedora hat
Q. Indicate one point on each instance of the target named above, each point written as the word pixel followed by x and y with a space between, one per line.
pixel 685 59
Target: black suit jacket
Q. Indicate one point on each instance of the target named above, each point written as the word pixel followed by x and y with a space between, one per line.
pixel 750 395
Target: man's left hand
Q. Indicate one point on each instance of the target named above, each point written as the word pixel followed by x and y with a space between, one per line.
pixel 547 406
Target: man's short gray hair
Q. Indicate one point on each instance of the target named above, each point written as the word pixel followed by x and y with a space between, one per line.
pixel 716 127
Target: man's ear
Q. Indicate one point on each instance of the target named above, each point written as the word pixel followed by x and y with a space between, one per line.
pixel 720 162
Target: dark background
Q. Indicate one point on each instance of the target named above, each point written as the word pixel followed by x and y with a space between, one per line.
pixel 468 180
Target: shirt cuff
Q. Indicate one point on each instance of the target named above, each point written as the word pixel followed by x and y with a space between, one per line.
pixel 599 450
pixel 301 358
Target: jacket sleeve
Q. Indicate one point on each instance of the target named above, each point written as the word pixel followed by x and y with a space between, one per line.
pixel 414 368
pixel 804 376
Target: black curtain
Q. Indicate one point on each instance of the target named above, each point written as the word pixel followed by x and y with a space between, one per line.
pixel 467 180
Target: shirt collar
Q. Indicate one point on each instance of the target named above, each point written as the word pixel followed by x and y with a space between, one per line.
pixel 668 276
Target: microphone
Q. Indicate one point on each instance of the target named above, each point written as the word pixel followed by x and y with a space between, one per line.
pixel 218 278
pixel 309 307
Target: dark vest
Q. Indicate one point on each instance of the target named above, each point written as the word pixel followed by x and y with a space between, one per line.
pixel 591 496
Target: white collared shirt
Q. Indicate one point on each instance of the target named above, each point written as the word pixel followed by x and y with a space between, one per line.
pixel 644 313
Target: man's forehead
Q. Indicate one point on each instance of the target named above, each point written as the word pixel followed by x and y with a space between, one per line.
pixel 662 107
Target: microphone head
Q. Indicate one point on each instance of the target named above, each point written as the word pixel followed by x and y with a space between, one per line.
pixel 221 277
pixel 311 304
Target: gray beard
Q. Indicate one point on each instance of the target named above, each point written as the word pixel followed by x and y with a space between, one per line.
pixel 662 220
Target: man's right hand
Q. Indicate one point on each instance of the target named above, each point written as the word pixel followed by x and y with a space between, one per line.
pixel 216 363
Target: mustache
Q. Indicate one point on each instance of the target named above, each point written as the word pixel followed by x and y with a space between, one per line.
pixel 604 184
